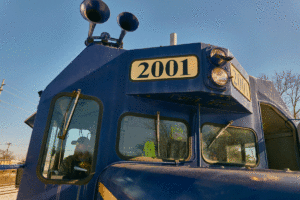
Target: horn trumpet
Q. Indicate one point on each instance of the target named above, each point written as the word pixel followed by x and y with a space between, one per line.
pixel 128 23
pixel 95 12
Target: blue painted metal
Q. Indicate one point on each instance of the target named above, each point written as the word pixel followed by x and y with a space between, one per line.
pixel 147 181
pixel 5 167
pixel 103 72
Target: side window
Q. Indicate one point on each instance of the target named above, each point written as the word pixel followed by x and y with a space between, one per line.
pixel 69 150
pixel 233 145
pixel 138 139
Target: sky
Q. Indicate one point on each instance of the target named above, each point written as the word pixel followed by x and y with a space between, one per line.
pixel 38 39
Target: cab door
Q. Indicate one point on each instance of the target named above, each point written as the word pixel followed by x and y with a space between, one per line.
pixel 280 139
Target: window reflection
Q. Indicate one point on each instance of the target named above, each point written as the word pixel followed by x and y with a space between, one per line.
pixel 234 145
pixel 71 158
pixel 138 138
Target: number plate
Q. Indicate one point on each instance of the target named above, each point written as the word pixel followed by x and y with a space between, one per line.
pixel 239 82
pixel 181 67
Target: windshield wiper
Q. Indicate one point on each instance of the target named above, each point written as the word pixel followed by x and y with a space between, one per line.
pixel 80 169
pixel 220 133
pixel 157 133
pixel 66 126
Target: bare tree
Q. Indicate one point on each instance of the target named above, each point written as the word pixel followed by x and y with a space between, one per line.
pixel 6 155
pixel 294 95
pixel 283 81
pixel 288 85
pixel 263 77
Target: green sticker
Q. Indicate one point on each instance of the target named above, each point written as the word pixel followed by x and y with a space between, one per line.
pixel 176 133
pixel 149 149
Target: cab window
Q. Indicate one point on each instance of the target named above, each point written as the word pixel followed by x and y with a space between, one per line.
pixel 70 147
pixel 233 145
pixel 138 139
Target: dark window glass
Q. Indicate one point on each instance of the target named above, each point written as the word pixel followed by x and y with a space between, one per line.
pixel 71 158
pixel 234 145
pixel 139 139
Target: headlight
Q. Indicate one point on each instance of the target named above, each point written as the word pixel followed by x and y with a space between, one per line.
pixel 219 76
pixel 215 56
pixel 218 57
pixel 217 52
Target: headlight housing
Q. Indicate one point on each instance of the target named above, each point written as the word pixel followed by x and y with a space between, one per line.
pixel 219 76
pixel 217 73
pixel 216 56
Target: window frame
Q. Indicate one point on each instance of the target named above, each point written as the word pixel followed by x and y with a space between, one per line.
pixel 127 158
pixel 226 163
pixel 42 157
pixel 284 117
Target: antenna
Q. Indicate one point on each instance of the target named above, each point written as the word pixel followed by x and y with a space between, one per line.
pixel 173 39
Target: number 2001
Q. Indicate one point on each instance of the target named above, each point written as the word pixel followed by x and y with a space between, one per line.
pixel 164 68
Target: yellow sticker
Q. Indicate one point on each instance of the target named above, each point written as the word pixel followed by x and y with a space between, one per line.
pixel 181 67
pixel 239 82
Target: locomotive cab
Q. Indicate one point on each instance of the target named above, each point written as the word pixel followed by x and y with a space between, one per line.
pixel 174 122
pixel 135 130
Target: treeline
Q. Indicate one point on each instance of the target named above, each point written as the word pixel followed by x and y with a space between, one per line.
pixel 287 84
pixel 6 155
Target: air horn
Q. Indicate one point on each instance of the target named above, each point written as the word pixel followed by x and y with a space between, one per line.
pixel 95 12
pixel 128 23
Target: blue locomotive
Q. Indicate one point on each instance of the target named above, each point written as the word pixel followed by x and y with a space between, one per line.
pixel 174 122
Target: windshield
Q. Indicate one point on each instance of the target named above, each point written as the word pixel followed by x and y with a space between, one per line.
pixel 71 158
pixel 234 145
